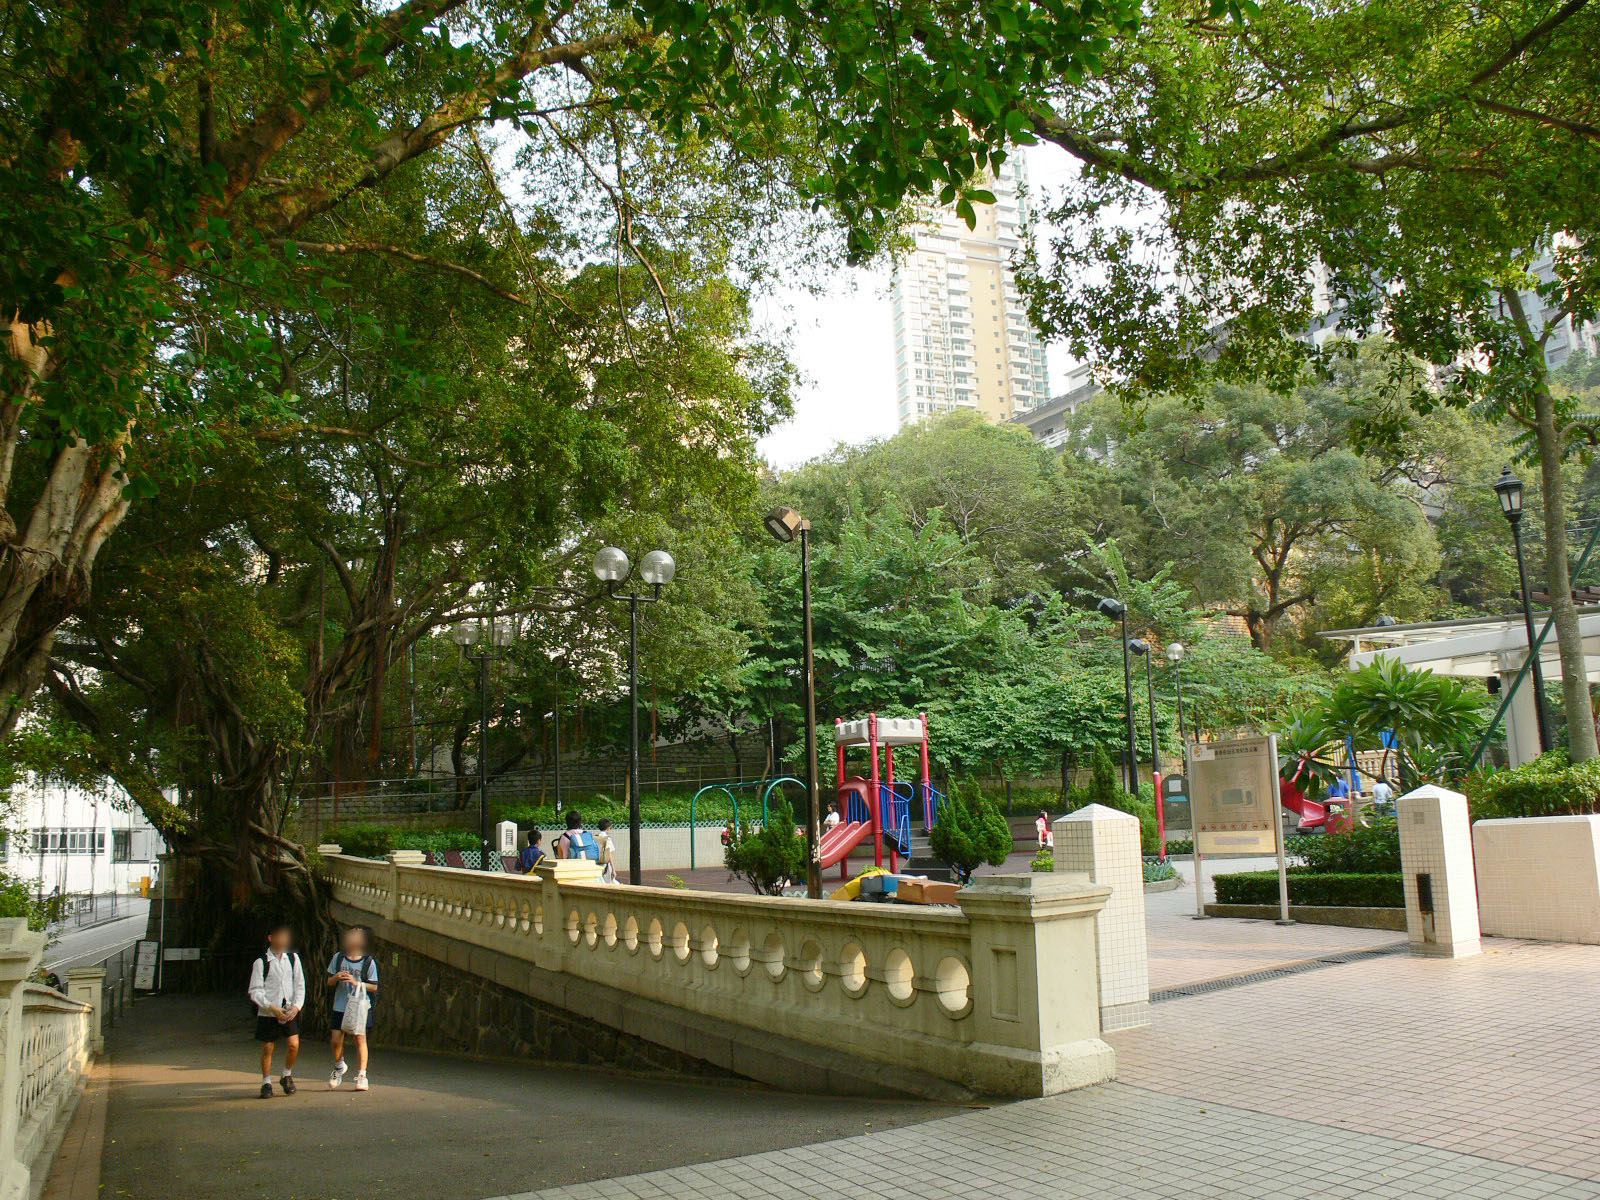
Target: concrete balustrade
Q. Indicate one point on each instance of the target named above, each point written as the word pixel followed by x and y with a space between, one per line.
pixel 999 996
pixel 46 1041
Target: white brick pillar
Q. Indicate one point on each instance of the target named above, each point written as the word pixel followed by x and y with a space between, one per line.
pixel 1103 843
pixel 1440 881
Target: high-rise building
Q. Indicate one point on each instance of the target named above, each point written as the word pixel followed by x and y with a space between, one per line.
pixel 962 338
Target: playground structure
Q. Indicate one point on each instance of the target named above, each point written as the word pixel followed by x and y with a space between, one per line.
pixel 875 805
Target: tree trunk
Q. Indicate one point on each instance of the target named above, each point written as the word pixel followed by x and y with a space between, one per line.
pixel 1558 579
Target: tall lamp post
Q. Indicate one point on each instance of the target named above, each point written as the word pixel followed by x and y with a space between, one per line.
pixel 1142 648
pixel 1118 611
pixel 1175 657
pixel 556 713
pixel 785 524
pixel 1509 488
pixel 656 569
pixel 482 640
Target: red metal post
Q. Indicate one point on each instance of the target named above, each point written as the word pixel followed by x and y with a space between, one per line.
pixel 888 758
pixel 927 777
pixel 874 801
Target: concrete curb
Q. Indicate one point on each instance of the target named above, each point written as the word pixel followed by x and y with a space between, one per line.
pixel 1317 914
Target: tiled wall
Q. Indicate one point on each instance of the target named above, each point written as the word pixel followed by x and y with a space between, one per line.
pixel 1436 841
pixel 1539 877
pixel 1104 844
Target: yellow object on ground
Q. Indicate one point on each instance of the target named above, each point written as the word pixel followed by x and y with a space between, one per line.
pixel 852 890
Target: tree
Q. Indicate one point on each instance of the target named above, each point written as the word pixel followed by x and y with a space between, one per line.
pixel 970 832
pixel 1418 718
pixel 1383 168
pixel 771 857
pixel 170 164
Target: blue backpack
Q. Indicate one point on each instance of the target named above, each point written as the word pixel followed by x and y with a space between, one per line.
pixel 581 844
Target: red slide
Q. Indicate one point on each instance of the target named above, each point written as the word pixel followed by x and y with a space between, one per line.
pixel 841 839
pixel 1312 814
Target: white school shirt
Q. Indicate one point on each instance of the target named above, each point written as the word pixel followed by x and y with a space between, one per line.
pixel 277 980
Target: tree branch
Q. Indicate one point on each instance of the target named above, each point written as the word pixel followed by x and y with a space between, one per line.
pixel 436 264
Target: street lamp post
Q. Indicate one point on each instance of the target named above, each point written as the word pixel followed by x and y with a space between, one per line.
pixel 482 640
pixel 1118 611
pixel 1142 648
pixel 1509 488
pixel 556 713
pixel 656 569
pixel 1175 657
pixel 785 524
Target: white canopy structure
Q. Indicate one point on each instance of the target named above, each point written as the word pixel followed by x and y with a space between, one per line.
pixel 1478 648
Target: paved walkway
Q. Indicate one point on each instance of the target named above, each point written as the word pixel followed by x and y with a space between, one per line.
pixel 1388 1077
pixel 184 1121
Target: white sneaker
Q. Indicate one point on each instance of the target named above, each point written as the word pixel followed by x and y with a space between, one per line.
pixel 361 1081
pixel 337 1076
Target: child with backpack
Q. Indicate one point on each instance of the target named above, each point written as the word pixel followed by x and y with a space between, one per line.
pixel 577 842
pixel 278 990
pixel 353 976
pixel 608 852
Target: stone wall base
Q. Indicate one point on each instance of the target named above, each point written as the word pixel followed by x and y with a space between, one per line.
pixel 440 994
pixel 1317 914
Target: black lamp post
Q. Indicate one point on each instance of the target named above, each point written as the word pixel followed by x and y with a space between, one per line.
pixel 556 713
pixel 1142 648
pixel 1509 488
pixel 656 569
pixel 482 640
pixel 1175 657
pixel 1118 611
pixel 785 524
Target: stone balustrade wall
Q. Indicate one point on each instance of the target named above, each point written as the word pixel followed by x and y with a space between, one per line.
pixel 999 996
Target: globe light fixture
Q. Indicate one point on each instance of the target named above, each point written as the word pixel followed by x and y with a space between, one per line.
pixel 657 568
pixel 611 565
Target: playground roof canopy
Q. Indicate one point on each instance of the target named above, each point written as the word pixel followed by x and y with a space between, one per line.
pixel 892 731
pixel 1474 647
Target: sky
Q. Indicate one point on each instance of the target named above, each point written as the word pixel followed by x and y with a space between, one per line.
pixel 843 343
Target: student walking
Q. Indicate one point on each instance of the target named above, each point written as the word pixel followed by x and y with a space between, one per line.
pixel 608 852
pixel 278 990
pixel 353 976
pixel 577 842
pixel 533 855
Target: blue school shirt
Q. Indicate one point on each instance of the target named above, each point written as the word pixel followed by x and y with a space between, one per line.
pixel 342 993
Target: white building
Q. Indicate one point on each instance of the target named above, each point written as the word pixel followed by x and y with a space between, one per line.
pixel 65 840
pixel 962 338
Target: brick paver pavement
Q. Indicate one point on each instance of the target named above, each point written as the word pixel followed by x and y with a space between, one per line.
pixel 1106 1143
pixel 1491 1055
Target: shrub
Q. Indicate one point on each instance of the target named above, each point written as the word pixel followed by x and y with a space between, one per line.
pixel 1549 786
pixel 1155 872
pixel 374 841
pixel 769 857
pixel 970 832
pixel 1346 890
pixel 1043 861
pixel 1372 850
pixel 1179 847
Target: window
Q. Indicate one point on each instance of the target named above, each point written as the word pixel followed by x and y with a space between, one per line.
pixel 122 845
pixel 68 841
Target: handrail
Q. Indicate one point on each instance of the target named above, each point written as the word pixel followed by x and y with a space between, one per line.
pixel 1528 661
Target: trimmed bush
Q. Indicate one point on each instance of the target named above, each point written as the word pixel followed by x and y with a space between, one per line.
pixel 374 841
pixel 1549 786
pixel 772 857
pixel 1372 850
pixel 1346 890
pixel 1043 861
pixel 1179 847
pixel 970 832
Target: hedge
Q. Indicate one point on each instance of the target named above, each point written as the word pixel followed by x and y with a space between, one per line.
pixel 1549 786
pixel 374 841
pixel 1339 891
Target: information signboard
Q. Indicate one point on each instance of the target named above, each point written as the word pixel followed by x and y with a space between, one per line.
pixel 1234 792
pixel 144 966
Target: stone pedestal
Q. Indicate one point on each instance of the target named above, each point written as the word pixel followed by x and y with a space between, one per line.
pixel 86 985
pixel 1103 844
pixel 1440 882
pixel 1539 877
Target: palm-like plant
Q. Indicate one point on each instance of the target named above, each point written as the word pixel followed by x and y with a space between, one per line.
pixel 1306 749
pixel 1431 718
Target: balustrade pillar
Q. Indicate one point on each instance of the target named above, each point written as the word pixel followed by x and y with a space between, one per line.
pixel 86 985
pixel 20 951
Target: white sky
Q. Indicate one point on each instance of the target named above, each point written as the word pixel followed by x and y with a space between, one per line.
pixel 843 343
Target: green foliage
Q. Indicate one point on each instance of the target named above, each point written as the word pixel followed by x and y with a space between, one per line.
pixel 20 898
pixel 1365 850
pixel 1106 787
pixel 1044 860
pixel 769 857
pixel 1549 786
pixel 1179 847
pixel 1305 887
pixel 374 841
pixel 970 832
pixel 1157 870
